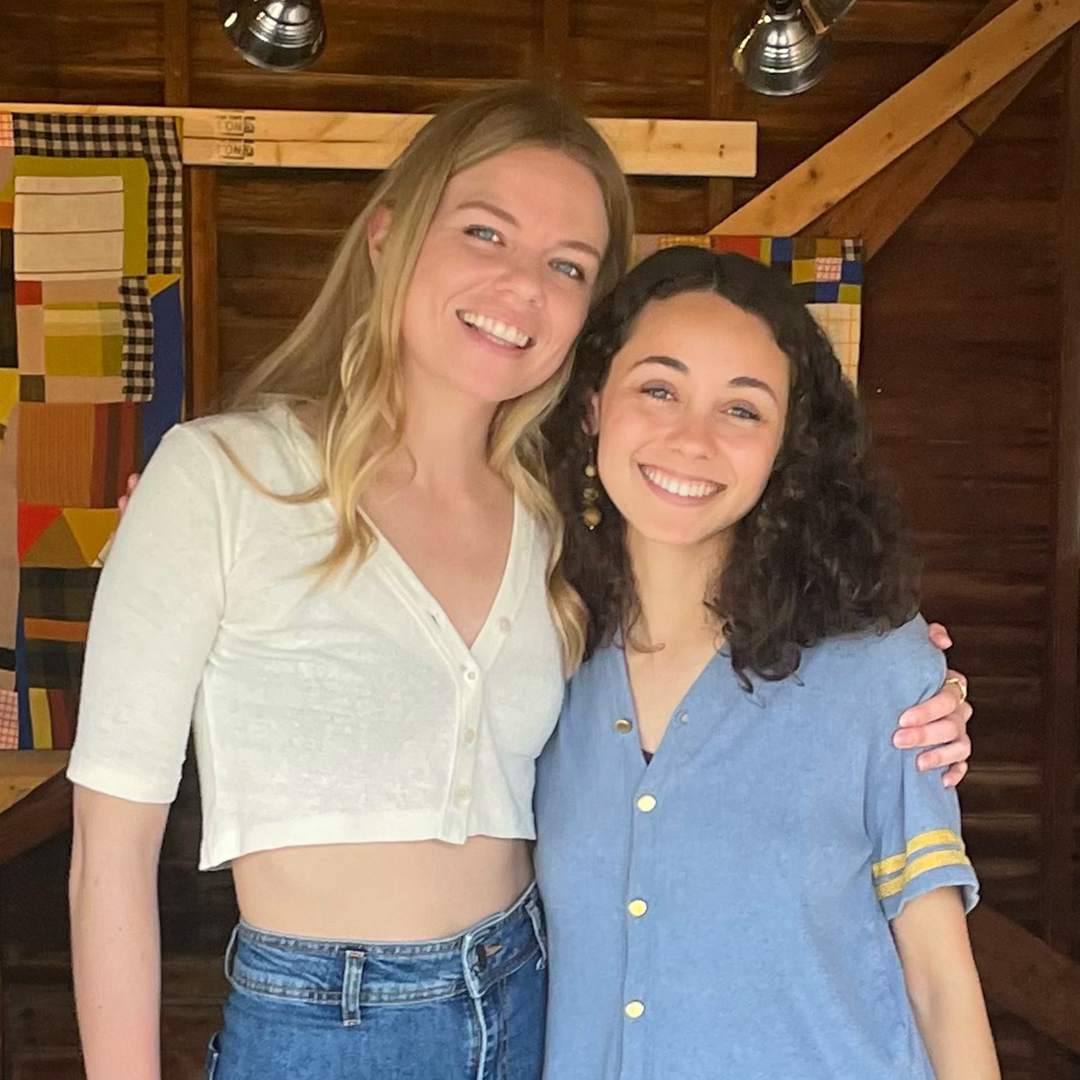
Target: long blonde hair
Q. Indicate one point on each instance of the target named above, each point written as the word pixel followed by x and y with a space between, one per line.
pixel 344 356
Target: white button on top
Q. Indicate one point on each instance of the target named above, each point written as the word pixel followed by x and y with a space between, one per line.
pixel 683 716
pixel 470 736
pixel 470 675
pixel 505 625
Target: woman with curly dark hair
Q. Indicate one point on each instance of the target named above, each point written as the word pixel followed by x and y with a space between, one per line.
pixel 724 909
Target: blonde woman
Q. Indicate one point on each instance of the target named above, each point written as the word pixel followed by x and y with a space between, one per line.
pixel 353 582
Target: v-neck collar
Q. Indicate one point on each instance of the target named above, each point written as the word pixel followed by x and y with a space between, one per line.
pixel 503 600
pixel 489 639
pixel 624 694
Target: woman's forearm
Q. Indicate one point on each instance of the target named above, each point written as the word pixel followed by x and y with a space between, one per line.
pixel 951 1017
pixel 115 949
pixel 943 987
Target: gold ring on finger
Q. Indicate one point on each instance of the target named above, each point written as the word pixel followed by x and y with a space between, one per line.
pixel 960 685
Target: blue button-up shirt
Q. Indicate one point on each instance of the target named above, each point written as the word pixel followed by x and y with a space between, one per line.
pixel 723 912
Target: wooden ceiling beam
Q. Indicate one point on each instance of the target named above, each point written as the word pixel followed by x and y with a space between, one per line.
pixel 1024 975
pixel 876 140
pixel 879 207
pixel 296 139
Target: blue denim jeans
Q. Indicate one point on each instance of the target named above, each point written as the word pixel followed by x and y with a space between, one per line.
pixel 464 1008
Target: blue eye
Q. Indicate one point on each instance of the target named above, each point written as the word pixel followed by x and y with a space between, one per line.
pixel 482 232
pixel 658 393
pixel 570 269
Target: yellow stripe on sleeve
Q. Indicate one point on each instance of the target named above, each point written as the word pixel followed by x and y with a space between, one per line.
pixel 933 838
pixel 920 866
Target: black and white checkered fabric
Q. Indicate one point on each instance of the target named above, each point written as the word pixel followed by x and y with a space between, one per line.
pixel 165 214
pixel 64 135
pixel 137 366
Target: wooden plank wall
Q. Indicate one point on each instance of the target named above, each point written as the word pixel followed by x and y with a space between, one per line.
pixel 962 370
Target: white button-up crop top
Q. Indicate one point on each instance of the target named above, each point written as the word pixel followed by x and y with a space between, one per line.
pixel 341 713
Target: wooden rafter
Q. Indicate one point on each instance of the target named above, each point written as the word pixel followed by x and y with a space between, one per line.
pixel 1023 974
pixel 296 139
pixel 920 107
pixel 879 207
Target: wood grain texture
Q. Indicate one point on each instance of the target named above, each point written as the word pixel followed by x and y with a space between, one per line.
pixel 963 335
pixel 919 108
pixel 1062 743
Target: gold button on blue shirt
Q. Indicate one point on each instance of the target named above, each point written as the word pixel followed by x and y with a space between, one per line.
pixel 770 840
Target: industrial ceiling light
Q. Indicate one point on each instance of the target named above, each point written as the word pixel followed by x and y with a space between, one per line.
pixel 782 49
pixel 281 35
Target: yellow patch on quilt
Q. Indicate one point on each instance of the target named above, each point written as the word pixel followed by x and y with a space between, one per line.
pixel 156 283
pixel 9 392
pixel 91 529
pixel 40 718
pixel 90 355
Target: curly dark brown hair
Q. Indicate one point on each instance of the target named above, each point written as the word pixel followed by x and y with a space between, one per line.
pixel 823 552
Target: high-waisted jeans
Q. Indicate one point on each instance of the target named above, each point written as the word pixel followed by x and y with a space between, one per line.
pixel 469 1007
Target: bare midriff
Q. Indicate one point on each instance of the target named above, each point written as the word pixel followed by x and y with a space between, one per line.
pixel 397 891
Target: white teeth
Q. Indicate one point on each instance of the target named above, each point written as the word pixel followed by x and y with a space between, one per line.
pixel 696 490
pixel 494 328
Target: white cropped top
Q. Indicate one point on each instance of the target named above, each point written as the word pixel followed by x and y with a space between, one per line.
pixel 342 713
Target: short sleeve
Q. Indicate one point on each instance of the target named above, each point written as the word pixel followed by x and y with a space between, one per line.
pixel 914 818
pixel 156 614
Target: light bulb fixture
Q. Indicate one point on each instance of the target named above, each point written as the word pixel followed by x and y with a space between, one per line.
pixel 280 35
pixel 783 48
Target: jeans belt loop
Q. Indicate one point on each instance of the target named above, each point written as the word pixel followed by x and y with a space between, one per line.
pixel 532 906
pixel 230 953
pixel 350 987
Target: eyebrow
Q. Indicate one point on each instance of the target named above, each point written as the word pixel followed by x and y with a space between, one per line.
pixel 503 215
pixel 679 366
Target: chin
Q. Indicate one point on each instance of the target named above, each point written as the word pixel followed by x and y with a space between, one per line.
pixel 676 535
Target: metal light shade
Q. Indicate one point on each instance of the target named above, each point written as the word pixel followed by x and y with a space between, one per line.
pixel 281 35
pixel 782 48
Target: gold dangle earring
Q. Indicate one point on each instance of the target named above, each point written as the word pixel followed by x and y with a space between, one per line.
pixel 590 512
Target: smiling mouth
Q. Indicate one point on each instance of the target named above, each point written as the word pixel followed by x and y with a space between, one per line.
pixel 495 330
pixel 698 490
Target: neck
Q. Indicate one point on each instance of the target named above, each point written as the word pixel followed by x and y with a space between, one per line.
pixel 672 583
pixel 445 445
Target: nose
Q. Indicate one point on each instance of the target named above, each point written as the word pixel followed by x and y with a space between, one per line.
pixel 692 435
pixel 522 279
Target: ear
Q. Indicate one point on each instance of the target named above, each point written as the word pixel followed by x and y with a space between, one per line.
pixel 591 423
pixel 378 227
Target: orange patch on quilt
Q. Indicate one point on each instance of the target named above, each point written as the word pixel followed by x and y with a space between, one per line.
pixel 56 453
pixel 744 245
pixel 55 629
